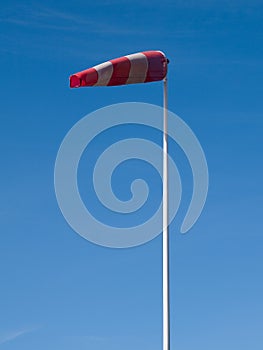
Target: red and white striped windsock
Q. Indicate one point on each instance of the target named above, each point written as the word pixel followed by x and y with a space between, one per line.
pixel 140 67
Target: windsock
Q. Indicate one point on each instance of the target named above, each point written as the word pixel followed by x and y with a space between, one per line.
pixel 142 67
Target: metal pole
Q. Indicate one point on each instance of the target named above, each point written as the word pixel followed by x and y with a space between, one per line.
pixel 166 309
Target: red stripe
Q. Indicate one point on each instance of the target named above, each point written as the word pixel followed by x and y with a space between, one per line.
pixel 74 81
pixel 87 77
pixel 121 70
pixel 157 66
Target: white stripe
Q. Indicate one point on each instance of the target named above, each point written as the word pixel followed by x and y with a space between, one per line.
pixel 104 71
pixel 161 53
pixel 139 68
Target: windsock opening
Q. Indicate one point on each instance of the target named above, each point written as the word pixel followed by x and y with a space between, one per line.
pixel 87 77
pixel 75 81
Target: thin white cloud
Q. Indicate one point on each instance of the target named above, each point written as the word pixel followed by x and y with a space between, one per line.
pixel 53 19
pixel 50 18
pixel 12 335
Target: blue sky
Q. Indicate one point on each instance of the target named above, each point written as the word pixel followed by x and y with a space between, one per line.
pixel 59 291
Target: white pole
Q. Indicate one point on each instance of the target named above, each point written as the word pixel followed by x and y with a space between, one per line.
pixel 166 311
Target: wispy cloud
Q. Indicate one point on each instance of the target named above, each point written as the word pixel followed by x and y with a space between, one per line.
pixel 14 334
pixel 49 18
pixel 53 19
pixel 39 29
